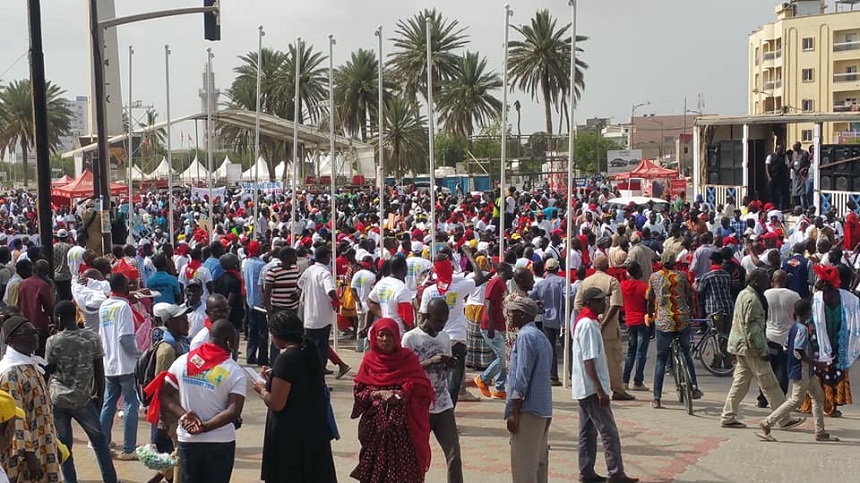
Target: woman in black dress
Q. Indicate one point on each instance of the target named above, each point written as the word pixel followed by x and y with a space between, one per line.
pixel 297 445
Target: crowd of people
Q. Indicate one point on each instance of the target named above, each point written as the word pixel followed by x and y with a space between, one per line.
pixel 156 320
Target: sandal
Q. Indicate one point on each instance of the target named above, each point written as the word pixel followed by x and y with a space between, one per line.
pixel 656 404
pixel 835 414
pixel 764 433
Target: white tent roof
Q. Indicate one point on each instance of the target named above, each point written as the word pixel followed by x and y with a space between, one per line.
pixel 263 170
pixel 221 172
pixel 137 173
pixel 162 170
pixel 196 171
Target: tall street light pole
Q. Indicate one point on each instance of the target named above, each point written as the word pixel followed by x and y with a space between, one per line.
pixel 38 84
pixel 332 156
pixel 130 144
pixel 632 116
pixel 296 80
pixel 430 132
pixel 571 133
pixel 503 161
pixel 169 147
pixel 101 168
pixel 258 228
pixel 381 128
pixel 210 158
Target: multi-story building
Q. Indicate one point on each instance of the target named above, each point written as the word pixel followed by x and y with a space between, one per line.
pixel 79 126
pixel 657 136
pixel 807 62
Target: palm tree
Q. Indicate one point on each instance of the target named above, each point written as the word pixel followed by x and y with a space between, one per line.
pixel 540 62
pixel 467 98
pixel 409 61
pixel 405 138
pixel 16 118
pixel 356 92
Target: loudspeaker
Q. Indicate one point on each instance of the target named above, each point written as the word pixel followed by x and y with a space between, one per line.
pixel 727 154
pixel 843 183
pixel 713 177
pixel 738 154
pixel 826 182
pixel 713 156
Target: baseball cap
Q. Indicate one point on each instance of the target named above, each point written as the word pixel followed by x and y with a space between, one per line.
pixel 551 264
pixel 9 408
pixel 11 324
pixel 62 233
pixel 166 311
pixel 593 293
pixel 194 282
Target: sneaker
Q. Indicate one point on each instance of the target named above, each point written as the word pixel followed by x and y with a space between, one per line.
pixel 328 372
pixel 697 393
pixel 467 396
pixel 792 423
pixel 499 395
pixel 485 391
pixel 123 456
pixel 343 370
pixel 555 383
pixel 622 396
pixel 640 388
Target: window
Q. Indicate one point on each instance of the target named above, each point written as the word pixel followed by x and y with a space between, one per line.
pixel 808 44
pixel 807 75
pixel 807 105
pixel 756 56
pixel 806 135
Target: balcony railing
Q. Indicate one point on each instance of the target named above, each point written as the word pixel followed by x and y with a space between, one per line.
pixel 845 77
pixel 772 85
pixel 846 108
pixel 845 46
pixel 773 54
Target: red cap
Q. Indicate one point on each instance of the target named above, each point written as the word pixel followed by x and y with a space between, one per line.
pixel 253 248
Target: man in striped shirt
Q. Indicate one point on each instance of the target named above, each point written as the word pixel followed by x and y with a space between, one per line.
pixel 281 289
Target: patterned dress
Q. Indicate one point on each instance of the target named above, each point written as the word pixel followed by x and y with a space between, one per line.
pixel 34 433
pixel 387 454
pixel 835 383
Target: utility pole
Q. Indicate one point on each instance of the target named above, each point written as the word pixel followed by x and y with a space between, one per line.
pixel 40 119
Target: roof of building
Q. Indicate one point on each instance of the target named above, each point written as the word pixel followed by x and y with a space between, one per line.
pixel 763 119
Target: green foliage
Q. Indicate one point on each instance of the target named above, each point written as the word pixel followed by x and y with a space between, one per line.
pixel 590 154
pixel 450 149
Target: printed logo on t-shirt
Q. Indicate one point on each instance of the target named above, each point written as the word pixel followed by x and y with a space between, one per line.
pixel 209 379
pixel 384 294
pixel 107 317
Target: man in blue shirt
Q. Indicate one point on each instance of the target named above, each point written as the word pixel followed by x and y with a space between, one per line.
pixel 528 409
pixel 550 292
pixel 590 383
pixel 213 263
pixel 258 332
pixel 164 283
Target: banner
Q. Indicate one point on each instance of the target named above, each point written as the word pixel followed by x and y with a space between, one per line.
pixel 264 186
pixel 618 162
pixel 203 193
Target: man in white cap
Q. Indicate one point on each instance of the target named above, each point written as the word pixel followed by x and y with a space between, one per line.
pixel 62 275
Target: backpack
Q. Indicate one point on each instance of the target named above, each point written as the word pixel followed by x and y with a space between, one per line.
pixel 144 372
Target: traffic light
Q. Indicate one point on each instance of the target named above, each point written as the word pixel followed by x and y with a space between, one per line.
pixel 212 21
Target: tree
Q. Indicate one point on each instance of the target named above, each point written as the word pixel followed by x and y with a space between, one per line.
pixel 408 62
pixel 16 118
pixel 590 153
pixel 405 138
pixel 450 149
pixel 540 62
pixel 467 97
pixel 356 92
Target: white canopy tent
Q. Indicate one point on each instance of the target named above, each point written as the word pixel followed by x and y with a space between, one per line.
pixel 195 172
pixel 221 172
pixel 137 173
pixel 161 171
pixel 252 171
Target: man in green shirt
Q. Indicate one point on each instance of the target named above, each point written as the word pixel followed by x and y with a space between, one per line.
pixel 748 342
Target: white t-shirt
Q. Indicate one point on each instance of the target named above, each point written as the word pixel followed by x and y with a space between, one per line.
pixel 477 295
pixel 588 345
pixel 195 320
pixel 74 259
pixel 206 395
pixel 203 274
pixel 426 347
pixel 415 267
pixel 116 320
pixel 455 297
pixel 780 313
pixel 316 283
pixel 389 293
pixel 362 281
pixel 200 338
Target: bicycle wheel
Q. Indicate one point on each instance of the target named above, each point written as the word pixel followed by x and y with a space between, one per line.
pixel 714 355
pixel 686 384
pixel 675 371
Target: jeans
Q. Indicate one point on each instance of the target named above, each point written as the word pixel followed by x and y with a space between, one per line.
pixel 552 335
pixel 594 419
pixel 455 377
pixel 258 338
pixel 779 364
pixel 664 342
pixel 638 338
pixel 497 367
pixel 114 386
pixel 319 337
pixel 88 418
pixel 206 462
pixel 444 427
pixel 808 193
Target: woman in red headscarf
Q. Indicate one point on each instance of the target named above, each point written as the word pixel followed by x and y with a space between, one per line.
pixel 392 398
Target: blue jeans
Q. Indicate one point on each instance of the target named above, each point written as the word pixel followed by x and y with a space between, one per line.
pixel 114 386
pixel 638 338
pixel 258 338
pixel 319 338
pixel 88 418
pixel 497 367
pixel 664 342
pixel 206 462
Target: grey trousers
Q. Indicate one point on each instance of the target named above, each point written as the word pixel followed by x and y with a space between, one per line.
pixel 444 427
pixel 594 419
pixel 799 389
pixel 530 450
pixel 747 369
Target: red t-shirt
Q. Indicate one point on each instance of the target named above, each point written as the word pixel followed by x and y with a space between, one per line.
pixel 633 296
pixel 495 294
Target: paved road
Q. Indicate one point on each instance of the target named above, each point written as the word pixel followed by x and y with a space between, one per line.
pixel 658 445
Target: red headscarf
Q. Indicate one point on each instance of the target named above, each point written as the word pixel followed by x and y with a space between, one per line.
pixel 828 274
pixel 401 368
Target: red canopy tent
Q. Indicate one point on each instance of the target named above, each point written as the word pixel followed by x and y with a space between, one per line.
pixel 83 188
pixel 66 179
pixel 648 170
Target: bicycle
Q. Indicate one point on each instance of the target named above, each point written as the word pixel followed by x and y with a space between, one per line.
pixel 712 348
pixel 681 374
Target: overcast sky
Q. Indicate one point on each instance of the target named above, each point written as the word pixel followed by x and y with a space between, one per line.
pixel 656 50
